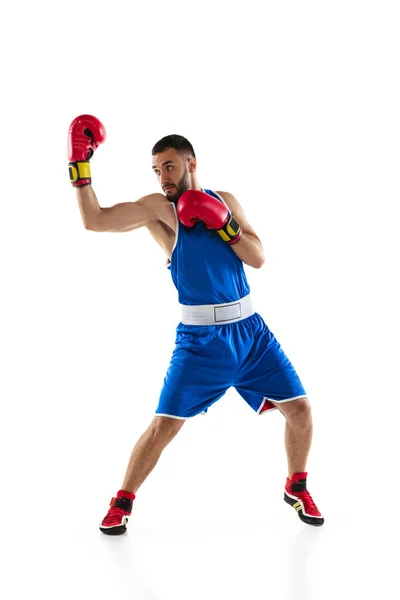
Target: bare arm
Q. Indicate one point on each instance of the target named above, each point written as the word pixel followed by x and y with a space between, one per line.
pixel 120 217
pixel 249 248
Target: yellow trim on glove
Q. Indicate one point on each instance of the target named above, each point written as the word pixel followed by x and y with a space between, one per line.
pixel 79 170
pixel 224 235
pixel 230 230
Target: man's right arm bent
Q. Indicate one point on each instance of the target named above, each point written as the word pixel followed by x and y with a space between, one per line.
pixel 125 216
pixel 85 134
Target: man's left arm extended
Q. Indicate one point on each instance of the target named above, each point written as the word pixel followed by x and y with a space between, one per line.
pixel 249 248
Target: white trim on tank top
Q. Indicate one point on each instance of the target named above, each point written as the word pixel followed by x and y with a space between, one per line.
pixel 168 263
pixel 177 228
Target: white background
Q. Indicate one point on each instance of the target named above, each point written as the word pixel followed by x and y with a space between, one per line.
pixel 294 108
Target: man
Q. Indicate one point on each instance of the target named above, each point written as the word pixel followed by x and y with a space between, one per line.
pixel 221 342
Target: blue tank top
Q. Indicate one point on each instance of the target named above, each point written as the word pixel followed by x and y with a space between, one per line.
pixel 204 269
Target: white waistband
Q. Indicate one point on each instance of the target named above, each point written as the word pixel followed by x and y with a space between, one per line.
pixel 217 314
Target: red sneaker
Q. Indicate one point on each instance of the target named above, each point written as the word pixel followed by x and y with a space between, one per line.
pixel 296 495
pixel 114 523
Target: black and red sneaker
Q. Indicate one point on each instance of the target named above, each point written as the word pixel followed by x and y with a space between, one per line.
pixel 114 523
pixel 296 495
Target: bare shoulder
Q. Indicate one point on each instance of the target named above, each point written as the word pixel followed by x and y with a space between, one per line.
pixel 153 202
pixel 227 194
pixel 162 207
pixel 232 202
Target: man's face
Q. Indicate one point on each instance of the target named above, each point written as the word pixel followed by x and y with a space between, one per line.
pixel 172 171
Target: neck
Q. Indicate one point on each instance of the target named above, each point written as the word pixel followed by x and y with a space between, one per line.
pixel 194 184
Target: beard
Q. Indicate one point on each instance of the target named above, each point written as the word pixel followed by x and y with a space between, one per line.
pixel 183 186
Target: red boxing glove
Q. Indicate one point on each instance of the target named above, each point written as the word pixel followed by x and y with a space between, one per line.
pixel 195 205
pixel 85 134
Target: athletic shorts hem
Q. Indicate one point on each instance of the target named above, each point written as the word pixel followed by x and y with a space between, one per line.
pixel 280 402
pixel 264 412
pixel 287 399
pixel 173 416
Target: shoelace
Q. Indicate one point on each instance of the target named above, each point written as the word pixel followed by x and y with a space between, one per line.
pixel 115 514
pixel 305 496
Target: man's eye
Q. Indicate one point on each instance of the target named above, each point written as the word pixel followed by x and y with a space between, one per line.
pixel 169 168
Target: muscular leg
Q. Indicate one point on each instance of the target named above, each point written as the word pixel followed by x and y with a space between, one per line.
pixel 298 433
pixel 148 450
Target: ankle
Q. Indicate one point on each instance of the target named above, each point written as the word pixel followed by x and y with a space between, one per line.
pixel 296 475
pixel 125 494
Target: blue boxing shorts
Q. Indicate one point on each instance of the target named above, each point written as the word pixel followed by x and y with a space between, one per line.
pixel 209 359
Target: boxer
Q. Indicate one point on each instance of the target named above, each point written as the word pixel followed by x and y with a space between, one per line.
pixel 221 341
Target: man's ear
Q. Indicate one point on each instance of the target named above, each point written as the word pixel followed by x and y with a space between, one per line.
pixel 192 165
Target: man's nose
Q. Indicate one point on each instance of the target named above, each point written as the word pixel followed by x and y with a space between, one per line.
pixel 165 178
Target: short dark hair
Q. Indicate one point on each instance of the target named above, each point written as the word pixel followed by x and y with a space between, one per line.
pixel 177 142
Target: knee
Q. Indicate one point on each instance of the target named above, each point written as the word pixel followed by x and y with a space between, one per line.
pixel 299 411
pixel 164 429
